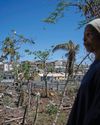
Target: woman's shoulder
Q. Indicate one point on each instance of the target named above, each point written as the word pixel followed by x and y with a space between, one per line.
pixel 95 65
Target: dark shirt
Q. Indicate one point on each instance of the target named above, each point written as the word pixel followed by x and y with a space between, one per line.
pixel 86 108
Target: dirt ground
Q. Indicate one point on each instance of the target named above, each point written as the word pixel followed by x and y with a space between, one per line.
pixel 10 114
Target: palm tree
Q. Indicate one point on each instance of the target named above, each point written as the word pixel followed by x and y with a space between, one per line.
pixel 71 50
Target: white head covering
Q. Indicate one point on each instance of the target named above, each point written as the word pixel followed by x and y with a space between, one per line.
pixel 96 23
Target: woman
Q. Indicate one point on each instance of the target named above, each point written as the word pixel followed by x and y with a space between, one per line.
pixel 86 108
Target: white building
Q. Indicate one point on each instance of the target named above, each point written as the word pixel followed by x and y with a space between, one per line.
pixel 7 67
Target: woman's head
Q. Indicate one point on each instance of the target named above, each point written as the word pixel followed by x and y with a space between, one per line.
pixel 92 36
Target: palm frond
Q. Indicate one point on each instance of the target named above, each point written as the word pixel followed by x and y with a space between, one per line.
pixel 60 46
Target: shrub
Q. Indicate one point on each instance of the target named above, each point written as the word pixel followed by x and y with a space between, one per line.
pixel 51 108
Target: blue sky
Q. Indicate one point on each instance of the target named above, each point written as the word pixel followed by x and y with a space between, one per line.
pixel 25 16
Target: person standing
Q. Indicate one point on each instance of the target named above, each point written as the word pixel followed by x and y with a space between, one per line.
pixel 86 107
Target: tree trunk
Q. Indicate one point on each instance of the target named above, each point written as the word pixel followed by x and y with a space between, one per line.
pixel 36 113
pixel 29 93
pixel 46 86
pixel 61 102
pixel 23 122
pixel 19 97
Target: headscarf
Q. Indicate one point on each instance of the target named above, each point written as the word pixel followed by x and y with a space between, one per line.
pixel 96 24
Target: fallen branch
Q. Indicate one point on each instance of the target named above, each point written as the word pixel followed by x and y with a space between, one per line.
pixel 13 119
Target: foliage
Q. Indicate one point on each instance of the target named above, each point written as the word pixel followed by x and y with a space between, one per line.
pixel 26 69
pixel 50 68
pixel 71 50
pixel 12 44
pixel 42 55
pixel 51 108
pixel 9 48
pixel 16 70
pixel 89 8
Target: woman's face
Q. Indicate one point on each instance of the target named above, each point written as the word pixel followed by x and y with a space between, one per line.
pixel 91 39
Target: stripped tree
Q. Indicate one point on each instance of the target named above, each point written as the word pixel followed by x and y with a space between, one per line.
pixel 71 50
